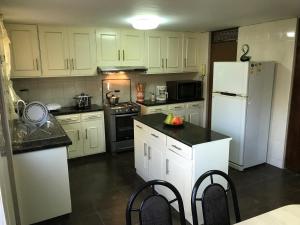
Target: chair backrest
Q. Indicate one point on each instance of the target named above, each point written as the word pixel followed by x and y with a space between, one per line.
pixel 155 208
pixel 214 200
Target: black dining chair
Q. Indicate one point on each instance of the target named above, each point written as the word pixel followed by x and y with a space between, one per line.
pixel 155 208
pixel 214 200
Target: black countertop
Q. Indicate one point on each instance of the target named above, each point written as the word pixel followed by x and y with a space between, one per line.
pixel 189 134
pixel 148 102
pixel 50 135
pixel 74 110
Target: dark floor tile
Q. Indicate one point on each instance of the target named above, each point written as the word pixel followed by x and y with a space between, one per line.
pixel 102 184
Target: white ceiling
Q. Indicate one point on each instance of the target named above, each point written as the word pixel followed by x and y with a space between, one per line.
pixel 181 15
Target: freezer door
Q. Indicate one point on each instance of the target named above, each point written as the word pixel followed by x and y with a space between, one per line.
pixel 231 77
pixel 228 117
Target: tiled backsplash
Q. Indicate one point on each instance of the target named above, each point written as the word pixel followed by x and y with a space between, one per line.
pixel 62 90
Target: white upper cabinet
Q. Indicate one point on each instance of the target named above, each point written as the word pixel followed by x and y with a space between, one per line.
pixel 132 45
pixel 67 51
pixel 164 52
pixel 120 47
pixel 154 52
pixel 82 43
pixel 173 52
pixel 108 47
pixel 54 50
pixel 190 52
pixel 24 50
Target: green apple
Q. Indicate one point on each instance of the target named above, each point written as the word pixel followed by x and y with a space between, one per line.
pixel 169 118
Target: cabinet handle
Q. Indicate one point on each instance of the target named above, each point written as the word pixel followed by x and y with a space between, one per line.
pixel 167 166
pixel 37 64
pixel 154 135
pixel 174 146
pixel 162 63
pixel 123 55
pixel 73 67
pixel 78 135
pixel 166 63
pixel 138 126
pixel 149 152
pixel 190 118
pixel 185 62
pixel 177 107
pixel 86 134
pixel 145 151
pixel 119 55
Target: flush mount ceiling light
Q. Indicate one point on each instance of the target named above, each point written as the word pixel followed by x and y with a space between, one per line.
pixel 145 22
pixel 290 34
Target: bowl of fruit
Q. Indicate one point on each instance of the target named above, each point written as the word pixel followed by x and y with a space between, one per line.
pixel 173 121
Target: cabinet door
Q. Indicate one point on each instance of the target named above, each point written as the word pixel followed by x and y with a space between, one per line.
pixel 108 48
pixel 54 51
pixel 178 173
pixel 82 42
pixel 154 52
pixel 24 50
pixel 190 59
pixel 155 158
pixel 195 111
pixel 141 157
pixel 195 118
pixel 132 46
pixel 74 133
pixel 92 136
pixel 173 59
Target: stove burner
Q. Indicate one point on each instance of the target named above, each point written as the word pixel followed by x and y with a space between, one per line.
pixel 123 107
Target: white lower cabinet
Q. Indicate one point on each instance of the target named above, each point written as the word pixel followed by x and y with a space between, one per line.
pixel 86 132
pixel 73 130
pixel 158 156
pixel 149 156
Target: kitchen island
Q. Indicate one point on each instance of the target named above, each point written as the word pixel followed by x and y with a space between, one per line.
pixel 41 171
pixel 178 155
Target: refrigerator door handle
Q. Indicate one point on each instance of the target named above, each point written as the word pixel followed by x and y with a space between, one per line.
pixel 230 94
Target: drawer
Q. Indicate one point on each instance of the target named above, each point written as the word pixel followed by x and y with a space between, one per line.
pixel 157 109
pixel 67 119
pixel 194 105
pixel 175 107
pixel 91 116
pixel 179 148
pixel 158 137
pixel 140 127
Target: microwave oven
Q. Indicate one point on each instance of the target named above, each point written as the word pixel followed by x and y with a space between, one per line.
pixel 184 90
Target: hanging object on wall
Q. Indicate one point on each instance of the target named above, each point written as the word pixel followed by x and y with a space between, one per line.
pixel 245 50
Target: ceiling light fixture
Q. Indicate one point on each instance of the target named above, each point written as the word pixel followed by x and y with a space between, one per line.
pixel 290 34
pixel 145 22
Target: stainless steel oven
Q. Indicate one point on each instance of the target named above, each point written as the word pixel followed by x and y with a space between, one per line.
pixel 124 126
pixel 119 126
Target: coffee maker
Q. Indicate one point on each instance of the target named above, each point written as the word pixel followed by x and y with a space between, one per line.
pixel 161 93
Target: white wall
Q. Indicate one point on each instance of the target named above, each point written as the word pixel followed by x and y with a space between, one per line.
pixel 269 42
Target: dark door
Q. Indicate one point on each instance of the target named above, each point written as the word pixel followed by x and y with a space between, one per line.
pixel 223 48
pixel 292 160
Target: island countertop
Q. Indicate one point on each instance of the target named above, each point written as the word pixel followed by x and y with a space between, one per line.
pixel 188 134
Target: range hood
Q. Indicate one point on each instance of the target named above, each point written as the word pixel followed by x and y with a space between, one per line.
pixel 116 69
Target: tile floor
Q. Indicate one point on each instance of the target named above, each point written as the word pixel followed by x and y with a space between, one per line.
pixel 102 184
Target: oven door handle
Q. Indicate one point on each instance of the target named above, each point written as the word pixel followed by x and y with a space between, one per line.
pixel 126 115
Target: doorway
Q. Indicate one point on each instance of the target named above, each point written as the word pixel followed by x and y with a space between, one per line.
pixel 292 158
pixel 223 48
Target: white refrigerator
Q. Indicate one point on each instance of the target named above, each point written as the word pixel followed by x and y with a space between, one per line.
pixel 241 109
